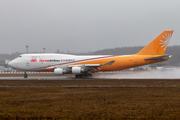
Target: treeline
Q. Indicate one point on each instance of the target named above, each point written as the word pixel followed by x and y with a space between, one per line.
pixel 9 56
pixel 171 50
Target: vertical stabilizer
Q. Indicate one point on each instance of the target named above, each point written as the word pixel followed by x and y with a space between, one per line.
pixel 159 45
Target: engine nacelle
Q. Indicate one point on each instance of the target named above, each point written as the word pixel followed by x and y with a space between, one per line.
pixel 78 70
pixel 59 71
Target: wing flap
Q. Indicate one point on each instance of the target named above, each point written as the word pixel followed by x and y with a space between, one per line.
pixel 92 65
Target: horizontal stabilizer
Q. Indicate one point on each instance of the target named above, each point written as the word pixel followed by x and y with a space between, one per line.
pixel 163 57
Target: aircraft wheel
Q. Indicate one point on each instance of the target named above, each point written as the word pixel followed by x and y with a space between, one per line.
pixel 83 75
pixel 77 76
pixel 25 75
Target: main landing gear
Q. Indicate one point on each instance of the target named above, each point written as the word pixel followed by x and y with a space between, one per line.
pixel 83 75
pixel 25 75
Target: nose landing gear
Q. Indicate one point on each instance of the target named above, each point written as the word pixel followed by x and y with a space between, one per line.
pixel 25 75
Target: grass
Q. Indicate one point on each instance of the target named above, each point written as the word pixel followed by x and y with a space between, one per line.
pixel 89 103
pixel 87 82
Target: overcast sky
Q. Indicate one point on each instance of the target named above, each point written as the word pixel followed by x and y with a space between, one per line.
pixel 85 25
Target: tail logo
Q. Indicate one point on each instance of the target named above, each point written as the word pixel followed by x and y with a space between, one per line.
pixel 165 42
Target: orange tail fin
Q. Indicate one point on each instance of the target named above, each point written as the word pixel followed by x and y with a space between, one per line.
pixel 159 45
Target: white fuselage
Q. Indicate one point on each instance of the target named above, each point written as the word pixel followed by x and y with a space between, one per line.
pixel 34 62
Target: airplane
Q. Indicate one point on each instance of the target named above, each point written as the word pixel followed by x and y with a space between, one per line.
pixel 84 66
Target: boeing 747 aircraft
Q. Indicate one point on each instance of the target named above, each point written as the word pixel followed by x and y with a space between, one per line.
pixel 84 66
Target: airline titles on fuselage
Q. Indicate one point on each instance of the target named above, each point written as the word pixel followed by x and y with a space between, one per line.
pixel 52 60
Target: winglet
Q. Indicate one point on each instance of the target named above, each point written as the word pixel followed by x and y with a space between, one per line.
pixel 159 45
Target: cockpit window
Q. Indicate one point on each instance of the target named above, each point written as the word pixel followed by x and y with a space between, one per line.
pixel 20 56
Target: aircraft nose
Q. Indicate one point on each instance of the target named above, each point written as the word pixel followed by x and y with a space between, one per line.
pixel 12 64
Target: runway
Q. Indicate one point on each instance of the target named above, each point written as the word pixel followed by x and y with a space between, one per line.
pixel 153 74
pixel 36 78
pixel 73 78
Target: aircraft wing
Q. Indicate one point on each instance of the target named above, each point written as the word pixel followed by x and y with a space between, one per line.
pixel 92 66
pixel 79 68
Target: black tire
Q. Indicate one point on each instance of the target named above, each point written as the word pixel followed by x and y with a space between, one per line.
pixel 25 76
pixel 77 76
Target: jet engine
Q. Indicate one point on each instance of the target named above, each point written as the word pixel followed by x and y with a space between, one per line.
pixel 59 71
pixel 78 70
